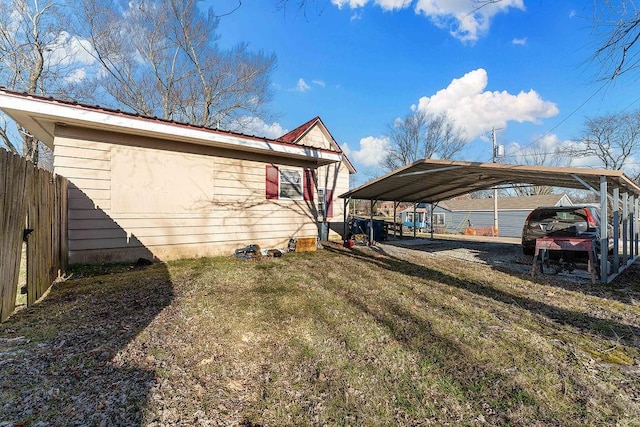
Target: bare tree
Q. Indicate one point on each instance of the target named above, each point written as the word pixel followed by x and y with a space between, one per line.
pixel 617 25
pixel 33 59
pixel 612 139
pixel 538 154
pixel 163 61
pixel 423 136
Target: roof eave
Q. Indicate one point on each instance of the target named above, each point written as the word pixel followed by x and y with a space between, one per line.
pixel 41 116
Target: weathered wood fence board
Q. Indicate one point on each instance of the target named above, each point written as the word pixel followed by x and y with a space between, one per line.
pixel 35 199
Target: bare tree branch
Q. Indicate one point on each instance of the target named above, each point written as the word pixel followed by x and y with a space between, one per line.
pixel 422 136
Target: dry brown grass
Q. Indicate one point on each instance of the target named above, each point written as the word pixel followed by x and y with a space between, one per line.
pixel 336 337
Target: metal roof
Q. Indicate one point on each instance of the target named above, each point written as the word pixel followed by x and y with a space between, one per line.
pixel 41 116
pixel 434 180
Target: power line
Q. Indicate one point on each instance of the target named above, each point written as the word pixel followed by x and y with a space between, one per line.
pixel 567 118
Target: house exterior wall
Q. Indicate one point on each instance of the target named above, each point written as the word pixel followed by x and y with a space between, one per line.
pixel 334 177
pixel 315 137
pixel 132 197
pixel 510 222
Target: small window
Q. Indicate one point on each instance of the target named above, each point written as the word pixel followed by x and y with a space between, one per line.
pixel 321 202
pixel 438 219
pixel 290 184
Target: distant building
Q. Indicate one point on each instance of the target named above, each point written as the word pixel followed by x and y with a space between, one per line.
pixel 454 216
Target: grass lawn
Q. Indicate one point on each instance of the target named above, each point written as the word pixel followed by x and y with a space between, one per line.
pixel 334 337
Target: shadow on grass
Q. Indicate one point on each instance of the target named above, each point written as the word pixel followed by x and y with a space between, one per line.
pixel 609 329
pixel 60 363
pixel 492 394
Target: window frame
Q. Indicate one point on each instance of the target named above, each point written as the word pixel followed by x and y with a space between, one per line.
pixel 283 173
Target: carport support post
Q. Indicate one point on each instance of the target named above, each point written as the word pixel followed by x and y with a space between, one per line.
pixel 371 235
pixel 625 228
pixel 635 227
pixel 431 206
pixel 344 217
pixel 604 239
pixel 616 230
pixel 415 205
pixel 632 226
pixel 395 207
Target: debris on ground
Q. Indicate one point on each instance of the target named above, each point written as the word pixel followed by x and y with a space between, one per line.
pixel 254 252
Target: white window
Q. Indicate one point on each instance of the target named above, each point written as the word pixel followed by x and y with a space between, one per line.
pixel 438 219
pixel 290 184
pixel 321 202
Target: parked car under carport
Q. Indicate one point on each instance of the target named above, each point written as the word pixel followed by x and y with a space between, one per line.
pixel 579 221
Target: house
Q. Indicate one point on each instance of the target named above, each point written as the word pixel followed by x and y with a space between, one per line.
pixel 422 219
pixel 151 188
pixel 453 216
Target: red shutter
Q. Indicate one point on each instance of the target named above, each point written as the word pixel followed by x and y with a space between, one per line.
pixel 272 182
pixel 308 184
pixel 328 196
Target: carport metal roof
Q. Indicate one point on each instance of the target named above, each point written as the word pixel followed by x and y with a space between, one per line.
pixel 434 180
pixel 431 181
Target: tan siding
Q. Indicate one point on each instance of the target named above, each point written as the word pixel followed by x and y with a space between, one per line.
pixel 63 151
pixel 317 138
pixel 88 204
pixel 339 183
pixel 92 164
pixel 209 205
pixel 92 184
pixel 73 173
pixel 94 194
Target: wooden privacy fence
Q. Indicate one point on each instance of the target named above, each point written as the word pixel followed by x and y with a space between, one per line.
pixel 33 207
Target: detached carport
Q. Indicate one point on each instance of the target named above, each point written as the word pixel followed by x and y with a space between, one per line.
pixel 430 181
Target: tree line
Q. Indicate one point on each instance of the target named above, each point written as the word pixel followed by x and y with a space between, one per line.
pixel 161 58
pixel 150 57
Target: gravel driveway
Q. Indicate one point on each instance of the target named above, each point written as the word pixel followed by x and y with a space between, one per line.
pixel 500 252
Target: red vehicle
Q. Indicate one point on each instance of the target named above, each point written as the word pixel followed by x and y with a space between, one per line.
pixel 563 221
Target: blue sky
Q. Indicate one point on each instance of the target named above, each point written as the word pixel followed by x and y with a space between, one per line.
pixel 523 67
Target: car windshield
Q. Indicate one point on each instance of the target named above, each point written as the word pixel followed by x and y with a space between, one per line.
pixel 573 215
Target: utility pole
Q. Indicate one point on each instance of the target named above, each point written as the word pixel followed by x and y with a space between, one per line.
pixel 494 231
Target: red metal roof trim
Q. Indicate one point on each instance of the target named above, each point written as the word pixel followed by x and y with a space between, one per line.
pixel 280 140
pixel 295 134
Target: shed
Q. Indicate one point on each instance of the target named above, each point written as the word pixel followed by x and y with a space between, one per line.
pixel 453 216
pixel 151 188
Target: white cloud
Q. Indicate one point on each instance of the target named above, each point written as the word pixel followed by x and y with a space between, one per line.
pixel 351 3
pixel 302 86
pixel 519 42
pixel 371 152
pixel 467 103
pixel 384 4
pixel 393 4
pixel 258 127
pixel 320 83
pixel 67 49
pixel 467 20
pixel 76 76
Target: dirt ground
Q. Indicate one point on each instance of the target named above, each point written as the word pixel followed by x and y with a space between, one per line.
pixel 502 253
